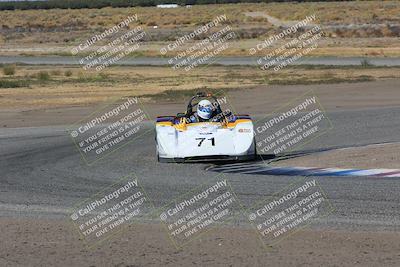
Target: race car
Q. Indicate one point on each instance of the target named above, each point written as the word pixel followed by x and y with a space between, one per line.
pixel 204 132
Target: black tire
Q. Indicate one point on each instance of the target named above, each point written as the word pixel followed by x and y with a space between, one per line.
pixel 170 160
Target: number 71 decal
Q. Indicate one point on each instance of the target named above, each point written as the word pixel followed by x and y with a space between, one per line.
pixel 202 140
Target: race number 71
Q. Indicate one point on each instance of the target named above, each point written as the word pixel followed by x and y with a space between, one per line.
pixel 202 140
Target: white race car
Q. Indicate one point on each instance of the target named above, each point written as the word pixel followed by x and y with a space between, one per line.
pixel 226 136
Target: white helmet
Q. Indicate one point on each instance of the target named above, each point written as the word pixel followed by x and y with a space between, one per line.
pixel 204 109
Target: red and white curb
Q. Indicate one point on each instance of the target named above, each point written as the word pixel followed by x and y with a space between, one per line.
pixel 264 169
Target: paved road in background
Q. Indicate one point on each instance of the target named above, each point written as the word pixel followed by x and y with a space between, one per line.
pixel 154 61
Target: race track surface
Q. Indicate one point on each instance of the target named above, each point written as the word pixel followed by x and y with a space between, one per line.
pixel 43 175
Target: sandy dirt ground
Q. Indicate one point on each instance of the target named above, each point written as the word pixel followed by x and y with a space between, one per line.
pixel 260 100
pixel 383 155
pixel 55 243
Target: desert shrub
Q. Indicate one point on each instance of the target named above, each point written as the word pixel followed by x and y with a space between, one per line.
pixel 9 69
pixel 151 23
pixel 43 76
pixel 68 73
pixel 13 84
pixel 55 72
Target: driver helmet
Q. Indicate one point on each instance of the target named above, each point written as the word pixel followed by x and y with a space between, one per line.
pixel 204 109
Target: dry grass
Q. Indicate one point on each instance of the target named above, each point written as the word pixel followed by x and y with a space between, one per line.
pixel 56 31
pixel 352 12
pixel 356 12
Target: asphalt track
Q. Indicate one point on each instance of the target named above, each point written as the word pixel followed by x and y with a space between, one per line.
pixel 43 175
pixel 226 61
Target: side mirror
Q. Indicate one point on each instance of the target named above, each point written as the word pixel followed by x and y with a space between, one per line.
pixel 181 115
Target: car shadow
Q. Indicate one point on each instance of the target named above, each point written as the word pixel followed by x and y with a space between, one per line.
pixel 268 158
